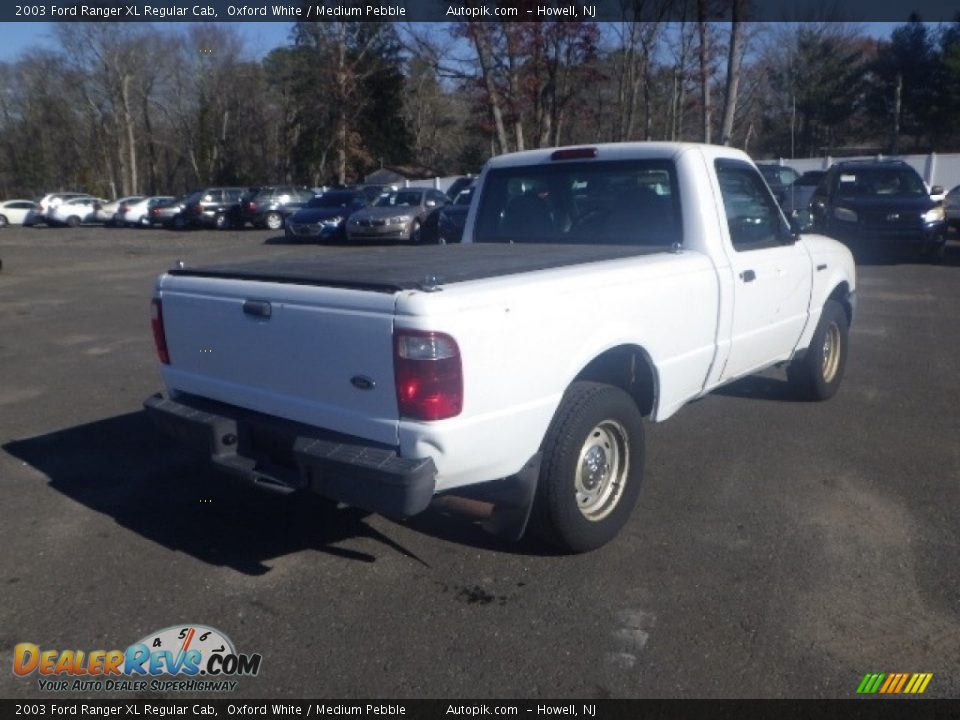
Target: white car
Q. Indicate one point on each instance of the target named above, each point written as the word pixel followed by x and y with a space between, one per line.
pixel 951 207
pixel 138 213
pixel 513 369
pixel 77 211
pixel 107 214
pixel 48 203
pixel 18 212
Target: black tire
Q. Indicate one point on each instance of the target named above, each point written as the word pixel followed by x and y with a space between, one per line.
pixel 221 221
pixel 3 221
pixel 818 373
pixel 73 221
pixel 273 221
pixel 576 508
pixel 415 232
pixel 178 222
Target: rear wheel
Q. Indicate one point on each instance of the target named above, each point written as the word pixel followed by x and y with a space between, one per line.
pixel 221 222
pixel 73 221
pixel 592 467
pixel 817 375
pixel 273 221
pixel 179 223
pixel 3 221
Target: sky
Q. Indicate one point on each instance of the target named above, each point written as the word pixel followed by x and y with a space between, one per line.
pixel 261 37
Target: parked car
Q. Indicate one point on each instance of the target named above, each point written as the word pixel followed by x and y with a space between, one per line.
pixel 137 212
pixel 18 212
pixel 877 202
pixel 451 218
pixel 169 213
pixel 76 211
pixel 374 190
pixel 269 207
pixel 517 367
pixel 951 207
pixel 108 212
pixel 397 216
pixel 797 196
pixel 211 207
pixel 325 216
pixel 779 178
pixel 461 183
pixel 49 202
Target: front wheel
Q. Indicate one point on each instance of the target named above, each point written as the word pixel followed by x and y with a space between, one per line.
pixel 592 467
pixel 3 221
pixel 817 375
pixel 416 232
pixel 73 221
pixel 221 222
pixel 273 221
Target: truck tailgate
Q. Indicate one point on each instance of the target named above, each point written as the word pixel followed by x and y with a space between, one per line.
pixel 317 355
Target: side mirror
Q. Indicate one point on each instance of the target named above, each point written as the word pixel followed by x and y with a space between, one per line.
pixel 937 190
pixel 801 221
pixel 431 203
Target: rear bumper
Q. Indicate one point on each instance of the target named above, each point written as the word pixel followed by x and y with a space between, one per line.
pixel 283 456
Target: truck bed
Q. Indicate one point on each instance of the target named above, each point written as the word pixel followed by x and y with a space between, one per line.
pixel 392 269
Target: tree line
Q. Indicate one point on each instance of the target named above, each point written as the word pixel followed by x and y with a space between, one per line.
pixel 118 109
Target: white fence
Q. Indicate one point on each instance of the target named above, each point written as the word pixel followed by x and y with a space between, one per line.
pixel 933 168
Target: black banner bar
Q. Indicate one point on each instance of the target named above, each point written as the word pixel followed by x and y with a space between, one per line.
pixel 428 709
pixel 451 11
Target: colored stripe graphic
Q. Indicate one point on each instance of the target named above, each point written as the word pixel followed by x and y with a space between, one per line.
pixel 894 683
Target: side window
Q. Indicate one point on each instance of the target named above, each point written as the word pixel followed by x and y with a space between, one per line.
pixel 752 214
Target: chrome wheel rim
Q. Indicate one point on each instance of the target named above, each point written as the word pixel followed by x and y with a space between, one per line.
pixel 274 222
pixel 830 353
pixel 602 468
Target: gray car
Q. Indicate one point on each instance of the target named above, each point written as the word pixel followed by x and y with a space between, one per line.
pixel 395 216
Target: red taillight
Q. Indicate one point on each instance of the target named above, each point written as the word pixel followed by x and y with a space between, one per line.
pixel 251 206
pixel 123 209
pixel 428 374
pixel 159 336
pixel 574 153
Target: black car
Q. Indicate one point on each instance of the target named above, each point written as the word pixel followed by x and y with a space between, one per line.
pixel 779 177
pixel 451 218
pixel 210 207
pixel 875 202
pixel 270 206
pixel 324 217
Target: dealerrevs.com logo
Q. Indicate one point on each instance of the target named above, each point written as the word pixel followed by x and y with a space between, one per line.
pixel 181 658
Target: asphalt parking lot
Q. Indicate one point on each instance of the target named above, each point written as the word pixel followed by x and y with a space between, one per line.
pixel 779 548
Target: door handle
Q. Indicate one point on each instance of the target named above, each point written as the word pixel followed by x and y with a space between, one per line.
pixel 748 276
pixel 258 308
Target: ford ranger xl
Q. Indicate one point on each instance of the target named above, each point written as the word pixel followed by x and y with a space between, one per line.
pixel 510 374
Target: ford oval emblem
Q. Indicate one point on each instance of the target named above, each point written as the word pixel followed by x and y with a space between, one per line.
pixel 362 382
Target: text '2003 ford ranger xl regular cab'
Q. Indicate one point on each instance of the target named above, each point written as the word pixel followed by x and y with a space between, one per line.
pixel 595 286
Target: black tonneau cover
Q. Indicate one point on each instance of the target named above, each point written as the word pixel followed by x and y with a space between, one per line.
pixel 395 268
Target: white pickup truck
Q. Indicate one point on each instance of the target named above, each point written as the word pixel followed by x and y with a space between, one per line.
pixel 594 287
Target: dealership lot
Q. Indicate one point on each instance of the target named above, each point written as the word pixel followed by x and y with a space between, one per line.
pixel 779 548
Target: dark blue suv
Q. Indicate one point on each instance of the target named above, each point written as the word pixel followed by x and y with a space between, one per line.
pixel 879 202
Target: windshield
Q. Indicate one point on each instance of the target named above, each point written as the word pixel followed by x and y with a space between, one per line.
pixel 589 203
pixel 778 174
pixel 880 182
pixel 810 179
pixel 408 198
pixel 335 200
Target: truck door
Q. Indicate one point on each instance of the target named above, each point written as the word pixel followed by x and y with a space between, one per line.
pixel 772 272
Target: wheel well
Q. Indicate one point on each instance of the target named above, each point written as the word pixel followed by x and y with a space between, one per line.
pixel 841 293
pixel 629 368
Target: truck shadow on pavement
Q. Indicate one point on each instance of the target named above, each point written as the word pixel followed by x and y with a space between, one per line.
pixel 122 467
